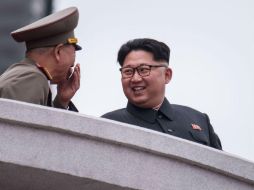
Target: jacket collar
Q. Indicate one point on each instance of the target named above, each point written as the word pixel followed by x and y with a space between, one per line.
pixel 149 114
pixel 42 69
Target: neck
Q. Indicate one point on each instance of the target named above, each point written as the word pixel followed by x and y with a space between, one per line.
pixel 158 106
pixel 43 61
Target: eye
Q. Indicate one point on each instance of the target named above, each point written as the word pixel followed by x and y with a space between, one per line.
pixel 144 69
pixel 127 71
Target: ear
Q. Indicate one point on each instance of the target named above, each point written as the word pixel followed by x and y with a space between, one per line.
pixel 57 51
pixel 168 75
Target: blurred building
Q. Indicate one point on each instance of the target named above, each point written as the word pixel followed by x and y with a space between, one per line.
pixel 13 15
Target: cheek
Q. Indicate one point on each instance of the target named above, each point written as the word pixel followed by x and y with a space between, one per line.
pixel 125 84
pixel 72 57
pixel 69 56
pixel 154 83
pixel 69 61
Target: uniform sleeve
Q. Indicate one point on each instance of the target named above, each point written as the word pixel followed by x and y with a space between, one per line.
pixel 71 106
pixel 214 139
pixel 30 87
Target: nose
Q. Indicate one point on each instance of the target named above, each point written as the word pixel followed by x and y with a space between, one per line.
pixel 136 77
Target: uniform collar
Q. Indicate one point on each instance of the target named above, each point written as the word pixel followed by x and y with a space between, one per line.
pixel 45 71
pixel 149 114
pixel 42 69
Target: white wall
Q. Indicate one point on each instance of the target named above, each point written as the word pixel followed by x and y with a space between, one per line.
pixel 212 45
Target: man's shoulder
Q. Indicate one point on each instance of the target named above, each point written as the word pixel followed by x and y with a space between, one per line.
pixel 121 115
pixel 22 79
pixel 22 72
pixel 182 108
pixel 23 67
pixel 115 114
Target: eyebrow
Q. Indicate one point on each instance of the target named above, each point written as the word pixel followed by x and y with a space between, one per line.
pixel 137 65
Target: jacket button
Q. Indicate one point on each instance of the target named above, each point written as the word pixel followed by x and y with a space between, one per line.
pixel 159 116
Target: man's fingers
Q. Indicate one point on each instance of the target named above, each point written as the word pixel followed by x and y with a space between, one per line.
pixel 77 68
pixel 76 77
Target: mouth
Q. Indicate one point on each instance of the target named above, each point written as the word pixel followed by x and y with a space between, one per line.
pixel 138 89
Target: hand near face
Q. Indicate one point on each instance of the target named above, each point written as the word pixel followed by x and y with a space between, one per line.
pixel 67 88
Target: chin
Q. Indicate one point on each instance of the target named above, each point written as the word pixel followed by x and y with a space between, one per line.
pixel 139 103
pixel 56 80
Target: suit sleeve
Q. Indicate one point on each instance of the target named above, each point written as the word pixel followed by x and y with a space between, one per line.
pixel 214 139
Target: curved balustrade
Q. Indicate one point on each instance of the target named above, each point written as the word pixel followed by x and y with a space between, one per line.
pixel 47 148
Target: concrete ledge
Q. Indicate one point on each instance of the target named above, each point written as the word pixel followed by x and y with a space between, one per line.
pixel 45 148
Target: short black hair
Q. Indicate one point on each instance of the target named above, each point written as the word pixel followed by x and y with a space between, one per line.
pixel 160 50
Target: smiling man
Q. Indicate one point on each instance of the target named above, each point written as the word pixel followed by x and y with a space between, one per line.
pixel 145 73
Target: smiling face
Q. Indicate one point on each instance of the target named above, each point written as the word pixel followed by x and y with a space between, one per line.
pixel 149 91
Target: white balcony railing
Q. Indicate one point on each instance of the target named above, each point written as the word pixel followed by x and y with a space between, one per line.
pixel 46 148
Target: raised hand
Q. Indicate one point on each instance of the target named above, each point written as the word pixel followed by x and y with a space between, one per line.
pixel 67 88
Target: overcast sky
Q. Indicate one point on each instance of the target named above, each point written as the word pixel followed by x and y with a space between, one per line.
pixel 212 46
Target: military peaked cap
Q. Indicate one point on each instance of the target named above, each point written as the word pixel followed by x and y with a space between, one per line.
pixel 51 30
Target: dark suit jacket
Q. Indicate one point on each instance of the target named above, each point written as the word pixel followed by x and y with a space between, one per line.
pixel 176 120
pixel 25 82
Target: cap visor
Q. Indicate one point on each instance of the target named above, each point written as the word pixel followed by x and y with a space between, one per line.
pixel 77 47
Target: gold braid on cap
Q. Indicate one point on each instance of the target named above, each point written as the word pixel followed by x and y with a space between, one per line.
pixel 72 40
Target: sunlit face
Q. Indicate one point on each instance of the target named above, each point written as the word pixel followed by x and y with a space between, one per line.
pixel 149 91
pixel 66 60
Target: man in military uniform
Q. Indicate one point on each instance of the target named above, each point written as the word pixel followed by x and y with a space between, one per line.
pixel 145 72
pixel 50 57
